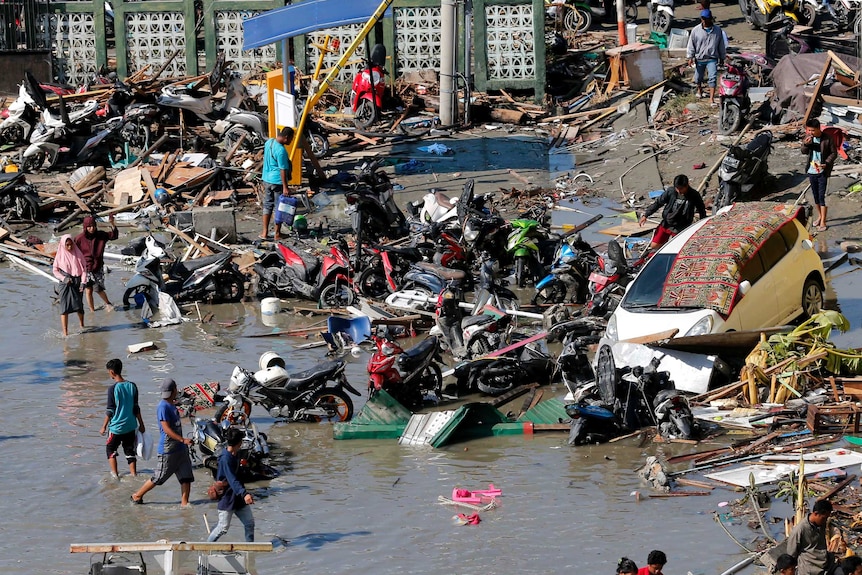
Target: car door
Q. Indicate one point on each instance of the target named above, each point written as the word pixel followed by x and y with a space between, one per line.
pixel 786 291
pixel 756 308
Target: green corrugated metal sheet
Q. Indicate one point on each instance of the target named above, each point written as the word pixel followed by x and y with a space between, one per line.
pixel 548 411
pixel 472 420
pixel 382 417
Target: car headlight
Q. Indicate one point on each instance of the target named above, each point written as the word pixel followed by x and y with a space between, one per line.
pixel 470 234
pixel 611 330
pixel 702 327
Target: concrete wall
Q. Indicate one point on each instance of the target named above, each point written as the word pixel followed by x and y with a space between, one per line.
pixel 14 64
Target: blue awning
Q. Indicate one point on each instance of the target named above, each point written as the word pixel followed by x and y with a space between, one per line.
pixel 304 17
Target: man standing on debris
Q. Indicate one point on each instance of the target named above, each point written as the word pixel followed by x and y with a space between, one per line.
pixel 173 448
pixel 706 48
pixel 92 243
pixel 807 541
pixel 122 418
pixel 822 153
pixel 680 203
pixel 276 173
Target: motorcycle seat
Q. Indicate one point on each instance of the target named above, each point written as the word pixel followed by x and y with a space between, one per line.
pixel 188 266
pixel 443 200
pixel 410 253
pixel 319 371
pixel 6 178
pixel 477 320
pixel 441 271
pixel 419 350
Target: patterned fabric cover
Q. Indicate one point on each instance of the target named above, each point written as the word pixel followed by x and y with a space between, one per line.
pixel 705 273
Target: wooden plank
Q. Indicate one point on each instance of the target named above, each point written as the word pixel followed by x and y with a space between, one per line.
pixel 72 194
pixel 817 88
pixel 832 492
pixel 629 229
pixel 654 337
pixel 188 239
pixel 512 394
pixel 147 177
pixel 167 546
pixel 128 182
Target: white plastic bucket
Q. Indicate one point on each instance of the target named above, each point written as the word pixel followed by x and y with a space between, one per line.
pixel 631 33
pixel 678 39
pixel 270 306
pixel 270 359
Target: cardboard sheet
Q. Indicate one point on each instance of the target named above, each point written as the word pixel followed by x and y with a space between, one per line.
pixel 771 472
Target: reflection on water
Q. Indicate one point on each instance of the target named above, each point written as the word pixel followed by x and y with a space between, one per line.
pixel 346 506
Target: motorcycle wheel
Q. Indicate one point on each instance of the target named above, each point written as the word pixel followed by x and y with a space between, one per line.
pixel 579 21
pixel 26 207
pixel 222 412
pixel 372 283
pixel 631 12
pixel 129 295
pixel 722 199
pixel 807 14
pixel 729 118
pixel 229 286
pixel 606 374
pixel 32 163
pixel 365 115
pixel 319 144
pixel 553 293
pixel 232 137
pixel 211 463
pixel 137 135
pixel 336 295
pixel 478 347
pixel 432 379
pixel 13 134
pixel 335 402
pixel 520 272
pixel 661 21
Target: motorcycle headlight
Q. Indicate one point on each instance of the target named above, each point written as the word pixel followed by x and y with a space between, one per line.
pixel 611 330
pixel 470 234
pixel 702 327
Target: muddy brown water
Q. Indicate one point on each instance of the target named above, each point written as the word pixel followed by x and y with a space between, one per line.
pixel 338 506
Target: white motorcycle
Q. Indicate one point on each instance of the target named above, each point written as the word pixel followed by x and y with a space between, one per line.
pixel 660 15
pixel 18 125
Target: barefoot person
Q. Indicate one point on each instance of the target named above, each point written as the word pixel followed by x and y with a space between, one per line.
pixel 71 269
pixel 122 418
pixel 235 500
pixel 173 448
pixel 276 173
pixel 92 243
pixel 821 154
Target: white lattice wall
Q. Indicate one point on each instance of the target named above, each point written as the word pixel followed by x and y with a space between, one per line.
pixel 510 40
pixel 229 38
pixel 153 37
pixel 417 33
pixel 71 36
pixel 345 35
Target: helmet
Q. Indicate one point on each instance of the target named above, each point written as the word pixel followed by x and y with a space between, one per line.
pixel 300 224
pixel 161 195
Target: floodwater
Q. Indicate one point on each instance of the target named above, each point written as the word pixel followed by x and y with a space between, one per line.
pixel 338 506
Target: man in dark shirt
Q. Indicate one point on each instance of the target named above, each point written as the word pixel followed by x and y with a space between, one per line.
pixel 235 500
pixel 680 204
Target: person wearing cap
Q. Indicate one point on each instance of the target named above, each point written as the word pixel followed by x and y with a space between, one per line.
pixel 92 243
pixel 173 448
pixel 706 48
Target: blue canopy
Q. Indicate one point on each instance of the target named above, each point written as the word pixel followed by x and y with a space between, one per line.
pixel 304 17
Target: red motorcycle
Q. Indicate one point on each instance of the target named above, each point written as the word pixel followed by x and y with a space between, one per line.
pixel 734 103
pixel 287 272
pixel 335 284
pixel 608 284
pixel 419 363
pixel 369 86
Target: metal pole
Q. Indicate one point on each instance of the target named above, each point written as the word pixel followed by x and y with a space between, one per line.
pixel 621 22
pixel 447 61
pixel 285 64
pixel 468 57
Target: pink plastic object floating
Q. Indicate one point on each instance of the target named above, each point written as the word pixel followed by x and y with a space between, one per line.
pixel 475 497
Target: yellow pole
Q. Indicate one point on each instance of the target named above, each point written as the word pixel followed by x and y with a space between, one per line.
pixel 324 50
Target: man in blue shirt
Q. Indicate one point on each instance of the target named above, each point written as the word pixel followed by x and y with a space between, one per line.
pixel 173 448
pixel 122 418
pixel 705 51
pixel 276 173
pixel 235 500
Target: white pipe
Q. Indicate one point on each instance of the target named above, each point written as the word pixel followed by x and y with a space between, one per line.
pixel 741 565
pixel 415 296
pixel 31 267
pixel 448 39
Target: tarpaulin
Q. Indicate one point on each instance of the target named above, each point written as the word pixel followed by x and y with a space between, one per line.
pixel 797 73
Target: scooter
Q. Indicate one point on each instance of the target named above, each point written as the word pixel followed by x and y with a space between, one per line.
pixel 22 117
pixel 369 87
pixel 742 170
pixel 651 399
pixel 471 336
pixel 18 199
pixel 437 207
pixel 568 280
pixel 734 103
pixel 287 272
pixel 660 15
pixel 374 215
pixel 335 284
pixel 579 14
pixel 385 273
pixel 496 375
pixel 212 278
pixel 607 284
pixel 106 147
pixel 523 249
pixel 408 376
pixel 314 395
pixel 764 13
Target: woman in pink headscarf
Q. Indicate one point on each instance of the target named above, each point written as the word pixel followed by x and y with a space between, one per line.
pixel 70 268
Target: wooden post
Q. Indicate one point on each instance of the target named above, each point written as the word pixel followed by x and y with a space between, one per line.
pixel 817 88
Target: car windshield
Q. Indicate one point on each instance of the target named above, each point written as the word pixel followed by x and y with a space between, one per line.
pixel 646 290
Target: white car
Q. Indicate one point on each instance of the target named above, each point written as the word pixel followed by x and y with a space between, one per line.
pixel 752 265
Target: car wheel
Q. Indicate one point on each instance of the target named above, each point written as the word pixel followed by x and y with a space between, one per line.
pixel 812 298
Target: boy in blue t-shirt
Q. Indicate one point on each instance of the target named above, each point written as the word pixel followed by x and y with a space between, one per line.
pixel 122 418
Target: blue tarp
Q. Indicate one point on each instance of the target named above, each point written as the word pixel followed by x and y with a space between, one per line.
pixel 304 17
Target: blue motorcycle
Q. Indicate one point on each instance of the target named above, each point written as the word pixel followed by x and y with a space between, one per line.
pixel 568 279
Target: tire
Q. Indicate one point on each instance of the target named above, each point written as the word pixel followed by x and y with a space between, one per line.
pixel 807 14
pixel 233 135
pixel 319 144
pixel 661 21
pixel 13 134
pixel 129 295
pixel 553 293
pixel 336 295
pixel 520 272
pixel 478 347
pixel 137 135
pixel 631 12
pixel 812 298
pixel 366 114
pixel 432 379
pixel 229 286
pixel 729 118
pixel 723 198
pixel 222 412
pixel 372 283
pixel 26 207
pixel 335 400
pixel 32 163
